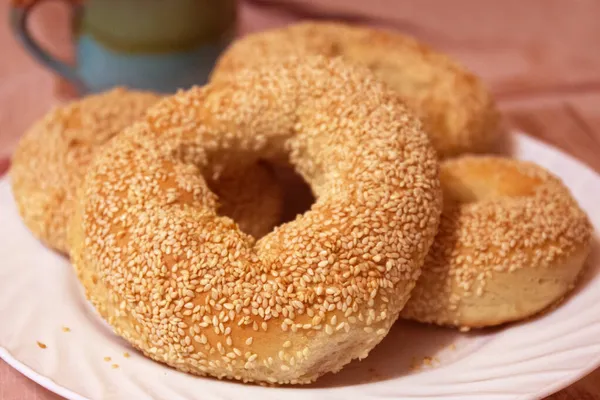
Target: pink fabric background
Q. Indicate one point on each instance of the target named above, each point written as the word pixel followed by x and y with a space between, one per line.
pixel 540 58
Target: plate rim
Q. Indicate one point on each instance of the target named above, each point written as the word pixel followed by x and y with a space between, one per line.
pixel 42 380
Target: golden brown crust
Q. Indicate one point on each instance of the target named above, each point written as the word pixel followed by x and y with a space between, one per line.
pixel 457 110
pixel 51 159
pixel 511 242
pixel 187 288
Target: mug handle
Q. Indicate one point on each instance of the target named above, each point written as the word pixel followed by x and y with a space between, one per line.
pixel 19 15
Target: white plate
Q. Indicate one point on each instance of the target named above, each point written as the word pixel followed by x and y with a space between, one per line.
pixel 39 295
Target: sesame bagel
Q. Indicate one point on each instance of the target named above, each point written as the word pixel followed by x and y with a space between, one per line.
pixel 50 162
pixel 189 289
pixel 457 110
pixel 511 242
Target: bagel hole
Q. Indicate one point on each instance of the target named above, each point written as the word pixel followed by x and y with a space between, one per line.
pixel 297 194
pixel 481 183
pixel 244 203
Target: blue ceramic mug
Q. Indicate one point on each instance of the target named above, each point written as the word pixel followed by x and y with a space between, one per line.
pixel 155 45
